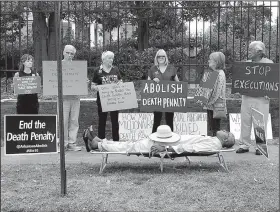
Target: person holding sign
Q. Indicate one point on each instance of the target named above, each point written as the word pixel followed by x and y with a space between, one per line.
pixel 155 143
pixel 216 63
pixel 256 55
pixel 162 70
pixel 27 103
pixel 106 74
pixel 71 109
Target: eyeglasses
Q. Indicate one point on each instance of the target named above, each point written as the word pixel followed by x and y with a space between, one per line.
pixel 71 53
pixel 160 56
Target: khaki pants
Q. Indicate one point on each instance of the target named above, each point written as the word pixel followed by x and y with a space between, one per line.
pixel 260 104
pixel 71 111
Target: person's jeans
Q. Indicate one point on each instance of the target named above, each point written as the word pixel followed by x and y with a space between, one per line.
pixel 71 111
pixel 213 125
pixel 157 119
pixel 102 118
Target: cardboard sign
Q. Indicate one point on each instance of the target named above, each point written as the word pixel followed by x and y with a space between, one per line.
pixel 135 126
pixel 190 123
pixel 30 134
pixel 117 96
pixel 205 88
pixel 165 96
pixel 258 124
pixel 27 85
pixel 256 79
pixel 74 78
pixel 235 126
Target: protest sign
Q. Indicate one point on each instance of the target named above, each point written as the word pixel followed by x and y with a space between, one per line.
pixel 165 96
pixel 30 134
pixel 235 126
pixel 205 88
pixel 117 96
pixel 135 126
pixel 27 85
pixel 74 78
pixel 190 123
pixel 255 79
pixel 258 124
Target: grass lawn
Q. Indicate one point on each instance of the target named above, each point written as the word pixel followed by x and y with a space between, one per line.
pixel 250 186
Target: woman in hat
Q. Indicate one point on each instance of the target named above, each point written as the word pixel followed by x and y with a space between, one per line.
pixel 162 70
pixel 106 74
pixel 27 103
pixel 256 55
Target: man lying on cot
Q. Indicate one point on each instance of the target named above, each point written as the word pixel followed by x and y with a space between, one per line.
pixel 163 139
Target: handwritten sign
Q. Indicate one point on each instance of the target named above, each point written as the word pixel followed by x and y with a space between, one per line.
pixel 256 79
pixel 235 126
pixel 117 96
pixel 30 134
pixel 258 124
pixel 165 96
pixel 27 85
pixel 74 78
pixel 190 123
pixel 205 88
pixel 135 126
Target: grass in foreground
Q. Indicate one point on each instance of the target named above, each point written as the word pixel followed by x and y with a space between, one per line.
pixel 250 186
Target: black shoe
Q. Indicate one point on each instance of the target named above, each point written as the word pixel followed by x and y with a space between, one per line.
pixel 241 150
pixel 258 152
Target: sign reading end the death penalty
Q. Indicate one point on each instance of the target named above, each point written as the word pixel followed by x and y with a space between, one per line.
pixel 74 78
pixel 256 79
pixel 258 124
pixel 30 134
pixel 117 96
pixel 165 96
pixel 27 85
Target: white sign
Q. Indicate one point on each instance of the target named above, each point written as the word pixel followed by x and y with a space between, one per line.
pixel 74 78
pixel 190 123
pixel 135 126
pixel 235 125
pixel 117 96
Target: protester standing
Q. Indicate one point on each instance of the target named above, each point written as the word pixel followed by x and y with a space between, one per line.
pixel 256 55
pixel 27 103
pixel 71 109
pixel 216 63
pixel 106 74
pixel 162 70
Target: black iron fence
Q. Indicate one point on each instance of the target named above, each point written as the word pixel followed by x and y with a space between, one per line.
pixel 134 31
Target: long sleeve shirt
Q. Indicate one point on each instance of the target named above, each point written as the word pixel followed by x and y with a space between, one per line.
pixel 187 143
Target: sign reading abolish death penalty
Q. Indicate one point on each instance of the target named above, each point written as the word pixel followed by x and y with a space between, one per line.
pixel 74 78
pixel 165 96
pixel 255 79
pixel 30 134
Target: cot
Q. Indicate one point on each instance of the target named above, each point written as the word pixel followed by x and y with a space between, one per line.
pixel 168 155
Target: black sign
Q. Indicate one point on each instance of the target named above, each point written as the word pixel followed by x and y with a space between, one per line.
pixel 30 134
pixel 256 79
pixel 165 96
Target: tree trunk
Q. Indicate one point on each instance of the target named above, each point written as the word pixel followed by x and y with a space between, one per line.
pixel 143 29
pixel 52 37
pixel 39 38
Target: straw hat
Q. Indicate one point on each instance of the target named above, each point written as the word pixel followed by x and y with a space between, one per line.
pixel 164 135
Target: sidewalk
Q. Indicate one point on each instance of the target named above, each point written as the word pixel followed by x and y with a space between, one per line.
pixel 86 157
